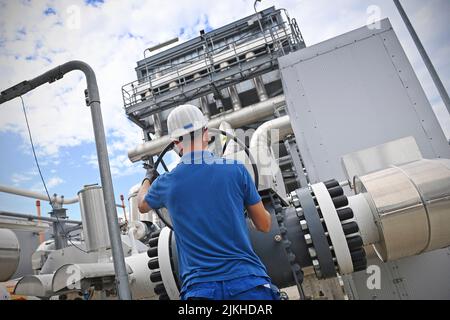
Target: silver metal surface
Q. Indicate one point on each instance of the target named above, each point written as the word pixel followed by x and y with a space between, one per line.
pixel 234 96
pixel 411 205
pixel 398 210
pixel 239 118
pixel 35 286
pixel 93 215
pixel 380 157
pixel 9 254
pixel 260 88
pixel 432 180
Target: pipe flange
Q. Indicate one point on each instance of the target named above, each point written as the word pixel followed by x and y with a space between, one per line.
pixel 314 233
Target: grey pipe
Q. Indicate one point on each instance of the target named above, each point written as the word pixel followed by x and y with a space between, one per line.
pixel 36 195
pixel 204 106
pixel 236 119
pixel 32 217
pixel 260 88
pixel 157 124
pixel 93 100
pixel 234 96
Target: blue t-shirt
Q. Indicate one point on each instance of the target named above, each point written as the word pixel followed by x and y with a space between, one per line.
pixel 205 196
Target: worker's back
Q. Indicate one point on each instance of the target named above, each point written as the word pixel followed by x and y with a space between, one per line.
pixel 205 197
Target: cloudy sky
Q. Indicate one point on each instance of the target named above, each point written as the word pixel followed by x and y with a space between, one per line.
pixel 111 36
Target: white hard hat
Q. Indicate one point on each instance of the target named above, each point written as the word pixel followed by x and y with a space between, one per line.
pixel 185 119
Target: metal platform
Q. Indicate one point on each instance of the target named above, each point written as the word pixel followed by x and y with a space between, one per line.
pixel 210 63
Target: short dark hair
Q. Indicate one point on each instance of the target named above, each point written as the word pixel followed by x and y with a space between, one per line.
pixel 192 134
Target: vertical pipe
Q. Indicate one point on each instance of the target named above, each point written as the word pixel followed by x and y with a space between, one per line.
pixel 260 88
pixel 157 125
pixel 123 207
pixel 108 192
pixel 437 81
pixel 234 96
pixel 38 209
pixel 204 105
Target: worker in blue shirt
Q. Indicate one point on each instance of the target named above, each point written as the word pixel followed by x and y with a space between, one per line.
pixel 206 197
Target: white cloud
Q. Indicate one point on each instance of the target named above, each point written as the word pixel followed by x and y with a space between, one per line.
pixel 18 178
pixel 54 182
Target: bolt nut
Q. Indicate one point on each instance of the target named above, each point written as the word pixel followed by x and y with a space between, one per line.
pixel 277 238
pixel 308 238
pixel 315 263
pixel 303 225
pixel 312 252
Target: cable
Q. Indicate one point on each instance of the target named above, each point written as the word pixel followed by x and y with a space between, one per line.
pixel 34 153
pixel 42 177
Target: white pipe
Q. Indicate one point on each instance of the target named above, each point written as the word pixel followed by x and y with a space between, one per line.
pixel 236 119
pixel 264 134
pixel 132 237
pixel 36 195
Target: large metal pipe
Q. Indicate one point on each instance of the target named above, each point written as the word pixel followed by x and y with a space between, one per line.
pixel 32 217
pixel 260 88
pixel 36 195
pixel 93 100
pixel 9 254
pixel 236 119
pixel 157 124
pixel 265 132
pixel 234 96
pixel 411 206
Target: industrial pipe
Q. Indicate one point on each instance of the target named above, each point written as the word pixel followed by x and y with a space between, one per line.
pixel 31 217
pixel 260 88
pixel 36 195
pixel 92 100
pixel 262 136
pixel 239 118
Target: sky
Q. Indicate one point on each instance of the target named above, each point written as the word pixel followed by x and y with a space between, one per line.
pixel 111 35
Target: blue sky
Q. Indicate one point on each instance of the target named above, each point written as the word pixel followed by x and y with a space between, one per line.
pixel 111 36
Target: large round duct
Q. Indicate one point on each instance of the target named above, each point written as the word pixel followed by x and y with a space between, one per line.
pixel 411 207
pixel 9 254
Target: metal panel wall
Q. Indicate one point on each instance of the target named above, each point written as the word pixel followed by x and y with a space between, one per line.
pixel 353 92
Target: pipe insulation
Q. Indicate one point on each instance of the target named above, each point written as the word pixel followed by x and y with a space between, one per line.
pixel 270 132
pixel 36 195
pixel 236 119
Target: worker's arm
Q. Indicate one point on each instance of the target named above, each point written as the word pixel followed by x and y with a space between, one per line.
pixel 260 217
pixel 150 177
pixel 142 204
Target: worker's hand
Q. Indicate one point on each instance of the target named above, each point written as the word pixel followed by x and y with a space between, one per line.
pixel 151 174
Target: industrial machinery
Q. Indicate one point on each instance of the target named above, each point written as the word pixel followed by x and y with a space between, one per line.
pixel 350 162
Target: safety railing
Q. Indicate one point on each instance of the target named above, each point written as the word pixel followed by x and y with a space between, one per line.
pixel 276 40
